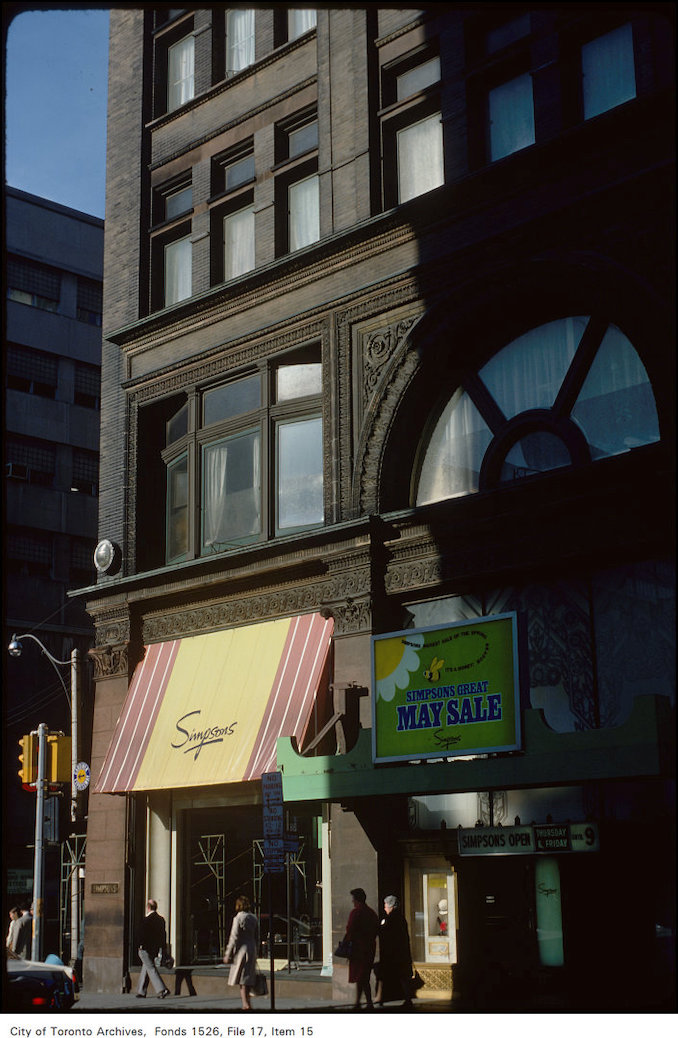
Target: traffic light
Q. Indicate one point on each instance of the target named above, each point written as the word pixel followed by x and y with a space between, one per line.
pixel 28 759
pixel 58 758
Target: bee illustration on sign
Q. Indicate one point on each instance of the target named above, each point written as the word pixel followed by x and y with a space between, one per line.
pixel 433 672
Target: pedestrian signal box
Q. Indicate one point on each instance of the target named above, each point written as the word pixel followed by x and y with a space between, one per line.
pixel 58 758
pixel 28 759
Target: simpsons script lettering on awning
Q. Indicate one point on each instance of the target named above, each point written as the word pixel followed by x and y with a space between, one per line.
pixel 194 739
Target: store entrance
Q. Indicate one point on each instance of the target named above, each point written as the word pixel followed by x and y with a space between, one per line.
pixel 497 925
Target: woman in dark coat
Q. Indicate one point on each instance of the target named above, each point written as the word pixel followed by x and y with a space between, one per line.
pixel 361 931
pixel 395 958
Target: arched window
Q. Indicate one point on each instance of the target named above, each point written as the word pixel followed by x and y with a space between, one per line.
pixel 570 391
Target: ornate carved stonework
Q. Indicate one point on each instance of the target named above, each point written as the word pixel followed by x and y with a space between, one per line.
pixel 378 348
pixel 112 626
pixel 353 617
pixel 110 661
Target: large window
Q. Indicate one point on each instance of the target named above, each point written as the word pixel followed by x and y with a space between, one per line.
pixel 239 39
pixel 511 115
pixel 33 283
pixel 178 270
pixel 565 393
pixel 232 216
pixel 412 129
pixel 297 182
pixel 180 73
pixel 608 71
pixel 300 20
pixel 255 443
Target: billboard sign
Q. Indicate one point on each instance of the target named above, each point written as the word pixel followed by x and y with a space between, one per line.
pixel 447 691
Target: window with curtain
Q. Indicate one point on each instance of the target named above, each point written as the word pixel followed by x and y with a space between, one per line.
pixel 300 20
pixel 239 39
pixel 304 213
pixel 238 243
pixel 178 271
pixel 256 445
pixel 570 391
pixel 180 73
pixel 412 129
pixel 420 158
pixel 511 116
pixel 608 71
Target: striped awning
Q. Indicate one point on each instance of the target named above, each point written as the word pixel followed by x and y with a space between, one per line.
pixel 208 710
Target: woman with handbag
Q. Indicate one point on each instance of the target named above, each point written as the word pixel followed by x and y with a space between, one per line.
pixel 242 949
pixel 361 931
pixel 394 970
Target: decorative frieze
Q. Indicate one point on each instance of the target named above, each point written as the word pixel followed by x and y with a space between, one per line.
pixel 110 661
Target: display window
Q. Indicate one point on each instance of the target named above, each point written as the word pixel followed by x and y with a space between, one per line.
pixel 433 914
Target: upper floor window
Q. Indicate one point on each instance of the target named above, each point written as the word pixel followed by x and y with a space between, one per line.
pixel 412 129
pixel 239 39
pixel 608 71
pixel 87 385
pixel 30 460
pixel 303 199
pixel 178 270
pixel 89 301
pixel 34 284
pixel 511 116
pixel 300 20
pixel 565 393
pixel 31 371
pixel 232 218
pixel 180 73
pixel 255 443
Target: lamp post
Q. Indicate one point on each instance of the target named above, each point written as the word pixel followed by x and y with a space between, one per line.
pixel 15 649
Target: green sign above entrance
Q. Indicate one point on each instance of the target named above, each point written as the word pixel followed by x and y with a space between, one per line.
pixel 446 691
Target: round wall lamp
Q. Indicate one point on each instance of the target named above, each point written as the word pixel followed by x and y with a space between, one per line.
pixel 107 557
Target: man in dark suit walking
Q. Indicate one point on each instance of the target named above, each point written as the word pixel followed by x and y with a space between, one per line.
pixel 152 940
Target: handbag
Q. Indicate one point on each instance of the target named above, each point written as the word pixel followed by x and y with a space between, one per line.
pixel 344 949
pixel 416 982
pixel 260 984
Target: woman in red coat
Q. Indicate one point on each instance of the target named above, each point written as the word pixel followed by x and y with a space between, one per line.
pixel 361 931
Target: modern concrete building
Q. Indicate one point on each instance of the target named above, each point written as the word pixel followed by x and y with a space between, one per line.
pixel 52 358
pixel 387 483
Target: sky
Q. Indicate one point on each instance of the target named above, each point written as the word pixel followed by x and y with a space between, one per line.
pixel 56 69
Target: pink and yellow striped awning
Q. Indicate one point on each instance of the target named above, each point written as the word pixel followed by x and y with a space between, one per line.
pixel 207 710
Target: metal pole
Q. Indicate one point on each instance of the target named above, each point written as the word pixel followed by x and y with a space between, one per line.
pixel 271 950
pixel 39 859
pixel 75 878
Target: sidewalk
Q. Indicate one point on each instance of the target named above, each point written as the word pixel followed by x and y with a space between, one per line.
pixel 230 1003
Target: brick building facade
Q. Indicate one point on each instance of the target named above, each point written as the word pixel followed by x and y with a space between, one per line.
pixel 387 349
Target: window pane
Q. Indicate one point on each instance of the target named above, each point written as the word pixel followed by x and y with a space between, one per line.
pixel 539 451
pixel 303 139
pixel 240 39
pixel 529 371
pixel 232 399
pixel 616 408
pixel 608 72
pixel 231 491
pixel 418 78
pixel 178 272
pixel 295 380
pixel 300 20
pixel 300 473
pixel 177 426
pixel 239 172
pixel 177 509
pixel 420 158
pixel 455 452
pixel 511 117
pixel 238 243
pixel 180 73
pixel 507 33
pixel 178 202
pixel 304 213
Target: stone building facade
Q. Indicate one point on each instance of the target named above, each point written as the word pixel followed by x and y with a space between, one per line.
pixel 387 349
